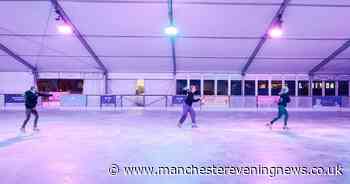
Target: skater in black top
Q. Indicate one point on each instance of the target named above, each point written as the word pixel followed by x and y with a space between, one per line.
pixel 31 100
pixel 282 104
pixel 187 107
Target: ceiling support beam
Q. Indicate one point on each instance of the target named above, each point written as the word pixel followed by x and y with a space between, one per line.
pixel 172 39
pixel 173 54
pixel 82 40
pixel 263 39
pixel 21 60
pixel 330 58
pixel 17 57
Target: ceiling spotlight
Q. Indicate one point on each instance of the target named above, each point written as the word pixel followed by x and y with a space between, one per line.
pixel 65 29
pixel 58 18
pixel 276 30
pixel 62 26
pixel 171 31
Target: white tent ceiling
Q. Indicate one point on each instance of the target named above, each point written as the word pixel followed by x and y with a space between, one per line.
pixel 10 64
pixel 215 36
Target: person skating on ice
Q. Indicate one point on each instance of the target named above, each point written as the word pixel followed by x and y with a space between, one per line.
pixel 31 100
pixel 187 107
pixel 282 107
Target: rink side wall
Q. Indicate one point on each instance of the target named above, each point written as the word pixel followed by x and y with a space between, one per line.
pixel 124 83
pixel 155 84
pixel 18 82
pixel 15 82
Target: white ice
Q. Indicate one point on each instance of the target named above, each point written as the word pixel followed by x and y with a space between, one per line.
pixel 77 147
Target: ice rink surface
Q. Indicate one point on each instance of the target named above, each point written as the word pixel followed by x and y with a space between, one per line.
pixel 77 147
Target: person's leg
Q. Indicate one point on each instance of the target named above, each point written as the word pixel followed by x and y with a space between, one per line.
pixel 36 118
pixel 27 113
pixel 280 113
pixel 185 109
pixel 286 116
pixel 193 117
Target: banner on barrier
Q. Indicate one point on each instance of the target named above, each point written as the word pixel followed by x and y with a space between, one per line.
pixel 54 100
pixel 14 98
pixel 178 99
pixel 108 100
pixel 216 100
pixel 2 100
pixel 73 100
pixel 327 101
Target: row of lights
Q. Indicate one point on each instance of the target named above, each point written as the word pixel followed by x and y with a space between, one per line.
pixel 275 31
pixel 65 28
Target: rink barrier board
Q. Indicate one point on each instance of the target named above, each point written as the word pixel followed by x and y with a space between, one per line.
pixel 167 101
pixel 327 101
pixel 2 101
pixel 14 98
pixel 73 101
pixel 346 102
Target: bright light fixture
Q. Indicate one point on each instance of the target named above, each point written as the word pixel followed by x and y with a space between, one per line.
pixel 171 31
pixel 276 32
pixel 65 29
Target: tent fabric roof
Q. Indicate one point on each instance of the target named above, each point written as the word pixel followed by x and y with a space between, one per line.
pixel 215 35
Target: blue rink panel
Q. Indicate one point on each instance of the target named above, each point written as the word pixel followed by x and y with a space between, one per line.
pixel 327 101
pixel 73 101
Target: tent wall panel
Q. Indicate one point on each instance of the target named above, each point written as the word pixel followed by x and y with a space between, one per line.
pixel 94 87
pixel 140 76
pixel 64 64
pixel 138 65
pixel 15 82
pixel 8 64
pixel 156 87
pixel 273 67
pixel 125 87
pixel 214 47
pixel 210 65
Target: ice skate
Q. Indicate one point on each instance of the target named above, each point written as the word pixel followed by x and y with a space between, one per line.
pixel 179 125
pixel 36 129
pixel 269 125
pixel 22 130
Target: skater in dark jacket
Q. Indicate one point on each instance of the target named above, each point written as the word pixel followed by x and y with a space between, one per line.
pixel 282 104
pixel 31 100
pixel 187 107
